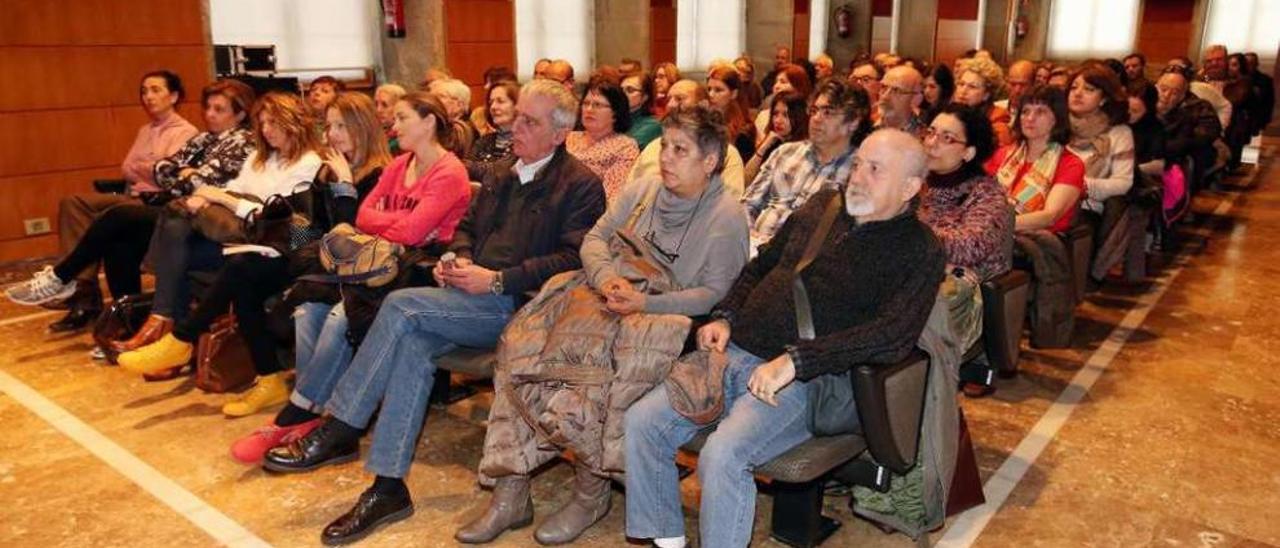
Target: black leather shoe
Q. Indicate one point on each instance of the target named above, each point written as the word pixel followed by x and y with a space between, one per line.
pixel 75 320
pixel 373 510
pixel 318 448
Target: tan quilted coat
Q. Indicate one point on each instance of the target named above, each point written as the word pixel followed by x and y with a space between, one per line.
pixel 567 371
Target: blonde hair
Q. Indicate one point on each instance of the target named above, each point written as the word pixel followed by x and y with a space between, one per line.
pixel 983 66
pixel 291 116
pixel 370 143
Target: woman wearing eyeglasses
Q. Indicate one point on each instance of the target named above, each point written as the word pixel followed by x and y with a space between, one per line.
pixel 978 81
pixel 644 127
pixel 969 214
pixel 611 316
pixel 603 144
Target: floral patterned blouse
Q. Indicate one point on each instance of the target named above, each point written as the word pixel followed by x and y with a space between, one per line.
pixel 610 158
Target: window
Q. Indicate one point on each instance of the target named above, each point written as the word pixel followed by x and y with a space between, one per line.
pixel 707 30
pixel 1082 29
pixel 1244 25
pixel 819 12
pixel 555 29
pixel 312 37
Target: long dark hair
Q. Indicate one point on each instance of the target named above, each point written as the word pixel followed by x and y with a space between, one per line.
pixel 1102 77
pixel 797 114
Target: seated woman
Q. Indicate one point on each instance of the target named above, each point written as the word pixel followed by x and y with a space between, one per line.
pixel 419 199
pixel 500 113
pixel 603 144
pixel 1103 141
pixel 724 91
pixel 791 78
pixel 697 237
pixel 352 167
pixel 1044 181
pixel 644 127
pixel 939 87
pixel 969 214
pixel 978 82
pixel 1148 132
pixel 751 89
pixel 665 75
pixel 164 134
pixel 284 162
pixel 384 100
pixel 789 123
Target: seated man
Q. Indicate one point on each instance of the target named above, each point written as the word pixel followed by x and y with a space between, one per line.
pixel 164 134
pixel 687 93
pixel 838 120
pixel 1191 125
pixel 871 288
pixel 525 226
pixel 901 93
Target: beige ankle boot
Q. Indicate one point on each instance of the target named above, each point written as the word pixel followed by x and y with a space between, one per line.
pixel 510 508
pixel 591 499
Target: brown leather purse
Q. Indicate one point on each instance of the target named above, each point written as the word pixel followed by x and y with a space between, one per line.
pixel 222 358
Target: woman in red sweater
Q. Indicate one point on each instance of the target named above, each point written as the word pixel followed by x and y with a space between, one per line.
pixel 419 200
pixel 1043 179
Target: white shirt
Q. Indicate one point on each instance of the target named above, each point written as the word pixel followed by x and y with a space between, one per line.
pixel 526 172
pixel 272 178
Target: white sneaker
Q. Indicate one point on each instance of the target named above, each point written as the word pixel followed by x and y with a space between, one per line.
pixel 41 288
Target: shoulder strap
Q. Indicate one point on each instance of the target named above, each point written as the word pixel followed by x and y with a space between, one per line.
pixel 804 314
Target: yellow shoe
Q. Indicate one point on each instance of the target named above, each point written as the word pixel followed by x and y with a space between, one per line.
pixel 270 390
pixel 166 353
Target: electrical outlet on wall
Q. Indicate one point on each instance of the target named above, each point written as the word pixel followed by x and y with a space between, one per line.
pixel 38 225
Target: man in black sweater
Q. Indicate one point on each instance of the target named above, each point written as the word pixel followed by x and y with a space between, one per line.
pixel 525 226
pixel 870 287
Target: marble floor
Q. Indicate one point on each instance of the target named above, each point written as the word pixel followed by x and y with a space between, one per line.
pixel 1175 443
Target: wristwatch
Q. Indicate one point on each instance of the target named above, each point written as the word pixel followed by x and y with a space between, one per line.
pixel 495 286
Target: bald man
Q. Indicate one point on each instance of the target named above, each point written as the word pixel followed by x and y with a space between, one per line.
pixel 560 71
pixel 688 93
pixel 1022 73
pixel 901 92
pixel 870 292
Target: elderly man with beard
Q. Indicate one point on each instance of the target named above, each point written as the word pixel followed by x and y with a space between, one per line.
pixel 901 92
pixel 870 286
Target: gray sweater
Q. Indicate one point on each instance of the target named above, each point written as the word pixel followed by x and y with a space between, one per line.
pixel 713 251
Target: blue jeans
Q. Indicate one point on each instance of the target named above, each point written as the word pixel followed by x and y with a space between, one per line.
pixel 394 366
pixel 321 351
pixel 749 434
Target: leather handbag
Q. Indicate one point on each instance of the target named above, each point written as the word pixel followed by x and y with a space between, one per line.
pixel 831 406
pixel 121 319
pixel 222 358
pixel 353 257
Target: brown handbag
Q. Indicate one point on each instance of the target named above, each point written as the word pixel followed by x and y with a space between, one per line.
pixel 222 358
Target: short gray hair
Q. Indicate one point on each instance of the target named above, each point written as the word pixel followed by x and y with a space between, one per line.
pixel 565 112
pixel 395 90
pixel 456 89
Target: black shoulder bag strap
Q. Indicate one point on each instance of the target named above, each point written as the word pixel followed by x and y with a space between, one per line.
pixel 804 314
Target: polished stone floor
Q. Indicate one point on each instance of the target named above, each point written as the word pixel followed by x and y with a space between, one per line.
pixel 1175 444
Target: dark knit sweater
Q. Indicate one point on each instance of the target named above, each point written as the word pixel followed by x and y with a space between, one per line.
pixel 870 288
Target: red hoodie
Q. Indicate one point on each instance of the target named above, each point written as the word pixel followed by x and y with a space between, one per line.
pixel 425 212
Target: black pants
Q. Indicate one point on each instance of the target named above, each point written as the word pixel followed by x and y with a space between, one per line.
pixel 177 249
pixel 246 280
pixel 119 238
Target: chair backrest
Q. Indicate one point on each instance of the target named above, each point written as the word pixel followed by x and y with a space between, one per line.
pixel 890 400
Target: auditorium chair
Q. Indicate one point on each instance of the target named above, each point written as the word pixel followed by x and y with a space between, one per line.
pixel 1079 242
pixel 1004 308
pixel 890 401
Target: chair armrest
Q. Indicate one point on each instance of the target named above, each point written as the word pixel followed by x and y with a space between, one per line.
pixel 890 400
pixel 1004 305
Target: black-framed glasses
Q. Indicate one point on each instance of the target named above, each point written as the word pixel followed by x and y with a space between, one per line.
pixel 669 256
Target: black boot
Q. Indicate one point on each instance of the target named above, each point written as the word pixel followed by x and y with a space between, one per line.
pixel 376 507
pixel 83 307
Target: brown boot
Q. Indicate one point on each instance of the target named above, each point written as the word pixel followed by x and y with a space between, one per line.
pixel 510 508
pixel 590 502
pixel 153 330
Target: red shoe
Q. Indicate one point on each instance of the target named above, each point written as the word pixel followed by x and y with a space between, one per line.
pixel 250 449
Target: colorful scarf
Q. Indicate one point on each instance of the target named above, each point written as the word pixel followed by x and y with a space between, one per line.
pixel 1091 142
pixel 1030 192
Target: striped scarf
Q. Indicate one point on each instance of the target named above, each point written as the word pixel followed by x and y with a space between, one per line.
pixel 1030 192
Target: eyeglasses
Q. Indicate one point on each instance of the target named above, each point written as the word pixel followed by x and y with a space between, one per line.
pixel 944 137
pixel 631 89
pixel 824 111
pixel 894 90
pixel 864 80
pixel 595 105
pixel 668 255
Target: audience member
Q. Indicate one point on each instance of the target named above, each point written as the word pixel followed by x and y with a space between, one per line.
pixel 1135 68
pixel 1148 133
pixel 901 93
pixel 870 289
pixel 781 58
pixel 1043 71
pixel 540 68
pixel 603 144
pixel 789 78
pixel 455 95
pixel 644 127
pixel 284 161
pixel 978 82
pixel 1191 126
pixel 630 67
pixel 500 114
pixel 868 76
pixel 1019 79
pixel 752 89
pixel 789 123
pixel 1044 180
pixel 823 67
pixel 358 152
pixel 665 75
pixel 724 93
pixel 1266 87
pixel 1060 78
pixel 687 93
pixel 560 71
pixel 384 100
pixel 525 226
pixel 1100 136
pixel 689 200
pixel 939 87
pixel 320 94
pixel 839 118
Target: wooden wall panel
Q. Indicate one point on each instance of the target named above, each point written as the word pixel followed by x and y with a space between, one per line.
pixel 662 32
pixel 1165 30
pixel 478 34
pixel 70 111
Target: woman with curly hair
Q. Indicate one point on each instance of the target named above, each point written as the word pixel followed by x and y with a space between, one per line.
pixel 978 82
